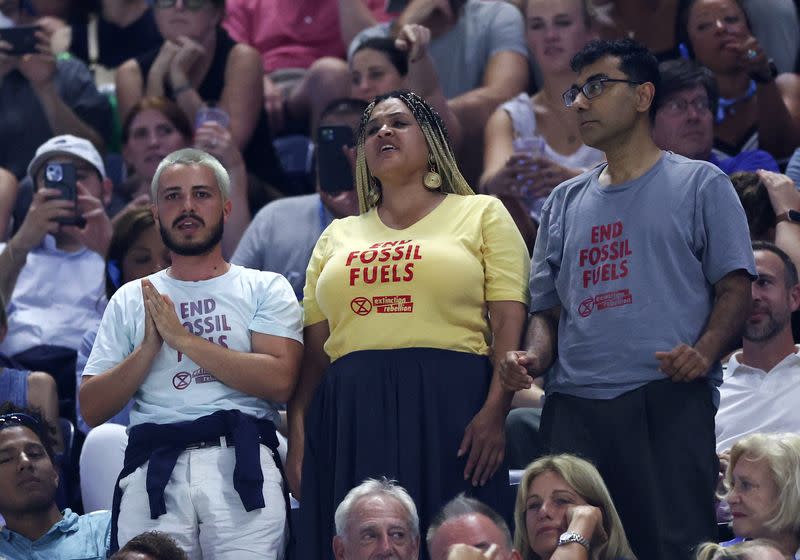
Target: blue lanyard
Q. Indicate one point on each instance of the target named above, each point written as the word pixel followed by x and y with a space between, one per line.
pixel 725 106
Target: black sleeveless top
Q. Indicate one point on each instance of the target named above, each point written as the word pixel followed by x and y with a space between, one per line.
pixel 259 153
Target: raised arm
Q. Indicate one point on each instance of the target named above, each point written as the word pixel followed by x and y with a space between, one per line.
pixel 243 92
pixel 354 16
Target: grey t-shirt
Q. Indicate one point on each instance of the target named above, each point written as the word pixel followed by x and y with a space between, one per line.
pixel 461 55
pixel 633 267
pixel 282 236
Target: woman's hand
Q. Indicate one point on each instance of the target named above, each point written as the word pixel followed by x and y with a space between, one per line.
pixel 294 466
pixel 215 139
pixel 754 59
pixel 587 521
pixel 413 39
pixel 782 192
pixel 485 439
pixel 160 68
pixel 188 53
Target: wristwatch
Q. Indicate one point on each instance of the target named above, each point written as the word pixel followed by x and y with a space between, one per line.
pixel 572 537
pixel 792 216
pixel 766 79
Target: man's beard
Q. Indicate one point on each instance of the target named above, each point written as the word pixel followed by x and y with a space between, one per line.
pixel 767 329
pixel 192 248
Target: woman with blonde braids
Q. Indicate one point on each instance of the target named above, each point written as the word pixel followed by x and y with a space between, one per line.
pixel 759 549
pixel 406 307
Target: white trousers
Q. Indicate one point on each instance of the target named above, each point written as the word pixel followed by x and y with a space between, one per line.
pixel 205 514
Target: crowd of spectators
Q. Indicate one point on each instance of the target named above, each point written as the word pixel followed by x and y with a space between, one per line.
pixel 613 322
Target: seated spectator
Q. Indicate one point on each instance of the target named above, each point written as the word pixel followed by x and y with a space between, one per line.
pixel 376 519
pixel 758 108
pixel 199 65
pixel 301 47
pixel 151 545
pixel 564 511
pixel 468 521
pixel 684 122
pixel 767 199
pixel 42 96
pixel 8 196
pixel 761 384
pixel 35 528
pixel 154 127
pixel 758 549
pixel 136 250
pixel 110 32
pixel 282 235
pixel 51 274
pixel 380 65
pixel 478 49
pixel 522 174
pixel 762 482
pixel 31 389
pixel 774 23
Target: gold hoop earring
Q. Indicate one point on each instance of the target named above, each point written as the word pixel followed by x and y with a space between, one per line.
pixel 432 180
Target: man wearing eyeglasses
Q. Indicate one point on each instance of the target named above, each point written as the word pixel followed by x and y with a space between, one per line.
pixel 685 110
pixel 34 526
pixel 640 282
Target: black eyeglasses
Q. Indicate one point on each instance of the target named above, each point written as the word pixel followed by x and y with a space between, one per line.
pixel 19 419
pixel 591 89
pixel 193 5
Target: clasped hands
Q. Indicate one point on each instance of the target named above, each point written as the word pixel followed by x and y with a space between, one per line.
pixel 161 321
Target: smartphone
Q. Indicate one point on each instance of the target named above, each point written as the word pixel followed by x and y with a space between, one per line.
pixel 22 39
pixel 334 173
pixel 62 177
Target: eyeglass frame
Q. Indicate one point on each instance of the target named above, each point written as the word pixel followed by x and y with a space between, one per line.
pixel 601 80
pixel 166 4
pixel 693 103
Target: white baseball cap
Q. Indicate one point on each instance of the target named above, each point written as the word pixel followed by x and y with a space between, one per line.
pixel 68 145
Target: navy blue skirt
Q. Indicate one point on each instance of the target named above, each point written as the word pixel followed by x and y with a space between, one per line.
pixel 394 413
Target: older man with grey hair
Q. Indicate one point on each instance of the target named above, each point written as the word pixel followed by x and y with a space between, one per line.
pixel 205 348
pixel 470 522
pixel 376 519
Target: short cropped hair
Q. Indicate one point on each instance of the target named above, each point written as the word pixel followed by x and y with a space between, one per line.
pixel 193 156
pixel 374 487
pixel 153 543
pixel 636 61
pixel 462 505
pixel 755 200
pixel 782 453
pixel 680 74
pixel 789 268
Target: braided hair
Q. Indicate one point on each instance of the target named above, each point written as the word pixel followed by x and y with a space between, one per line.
pixel 440 151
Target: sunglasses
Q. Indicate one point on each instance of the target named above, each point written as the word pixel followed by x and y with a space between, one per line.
pixel 19 419
pixel 193 5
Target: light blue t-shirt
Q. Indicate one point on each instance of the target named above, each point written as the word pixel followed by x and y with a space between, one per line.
pixel 84 537
pixel 223 310
pixel 633 267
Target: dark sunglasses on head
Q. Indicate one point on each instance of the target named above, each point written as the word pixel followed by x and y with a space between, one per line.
pixel 19 419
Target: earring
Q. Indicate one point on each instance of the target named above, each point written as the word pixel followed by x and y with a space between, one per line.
pixel 373 193
pixel 432 179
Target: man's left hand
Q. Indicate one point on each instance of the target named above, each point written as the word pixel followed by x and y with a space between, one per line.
pixel 683 363
pixel 485 440
pixel 162 310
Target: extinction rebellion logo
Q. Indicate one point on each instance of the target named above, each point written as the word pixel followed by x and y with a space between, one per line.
pixel 382 304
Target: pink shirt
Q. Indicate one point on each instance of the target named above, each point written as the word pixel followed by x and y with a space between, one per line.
pixel 291 33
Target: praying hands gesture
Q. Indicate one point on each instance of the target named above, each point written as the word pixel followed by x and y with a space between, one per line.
pixel 161 321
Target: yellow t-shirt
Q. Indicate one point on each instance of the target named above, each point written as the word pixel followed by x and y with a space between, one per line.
pixel 425 286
